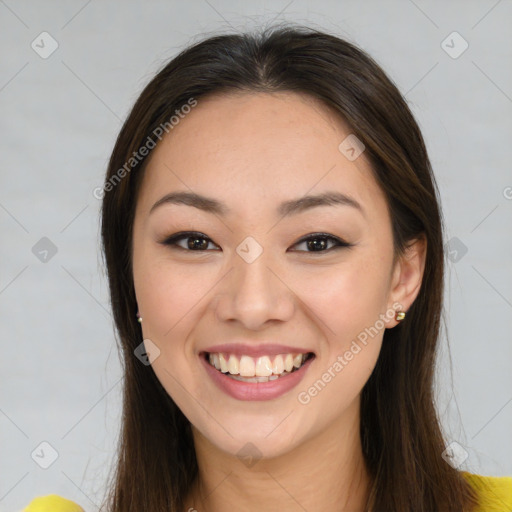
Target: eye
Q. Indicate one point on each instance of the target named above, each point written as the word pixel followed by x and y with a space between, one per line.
pixel 198 242
pixel 194 241
pixel 319 242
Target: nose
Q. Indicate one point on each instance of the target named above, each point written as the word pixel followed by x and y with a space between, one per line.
pixel 254 294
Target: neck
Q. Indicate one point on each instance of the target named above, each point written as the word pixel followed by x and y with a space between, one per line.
pixel 325 473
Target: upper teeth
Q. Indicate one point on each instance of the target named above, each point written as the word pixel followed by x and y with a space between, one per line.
pixel 247 366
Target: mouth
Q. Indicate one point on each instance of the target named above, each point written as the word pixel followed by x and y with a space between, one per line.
pixel 245 368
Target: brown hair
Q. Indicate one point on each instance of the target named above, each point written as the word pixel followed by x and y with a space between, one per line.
pixel 400 429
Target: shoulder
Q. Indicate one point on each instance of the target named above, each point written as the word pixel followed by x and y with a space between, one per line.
pixel 52 503
pixel 494 492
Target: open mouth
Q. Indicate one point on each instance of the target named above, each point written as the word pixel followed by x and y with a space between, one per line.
pixel 257 369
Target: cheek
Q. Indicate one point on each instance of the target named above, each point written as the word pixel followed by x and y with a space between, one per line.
pixel 170 299
pixel 168 294
pixel 348 298
pixel 348 304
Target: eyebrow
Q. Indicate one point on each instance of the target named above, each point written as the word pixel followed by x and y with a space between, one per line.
pixel 286 208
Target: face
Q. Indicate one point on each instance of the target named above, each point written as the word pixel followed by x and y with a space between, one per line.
pixel 289 296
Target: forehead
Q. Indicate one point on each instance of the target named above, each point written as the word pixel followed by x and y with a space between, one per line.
pixel 252 148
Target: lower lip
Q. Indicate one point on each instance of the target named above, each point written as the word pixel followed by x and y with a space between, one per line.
pixel 256 390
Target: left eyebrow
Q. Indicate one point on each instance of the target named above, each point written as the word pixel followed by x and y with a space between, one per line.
pixel 301 204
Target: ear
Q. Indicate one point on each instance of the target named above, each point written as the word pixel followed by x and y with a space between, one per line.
pixel 407 277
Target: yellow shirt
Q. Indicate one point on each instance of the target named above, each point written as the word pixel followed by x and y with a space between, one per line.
pixel 495 495
pixel 52 503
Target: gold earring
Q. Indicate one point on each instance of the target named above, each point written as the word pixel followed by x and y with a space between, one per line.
pixel 400 315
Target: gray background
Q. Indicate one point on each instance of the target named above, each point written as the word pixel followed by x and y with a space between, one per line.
pixel 59 118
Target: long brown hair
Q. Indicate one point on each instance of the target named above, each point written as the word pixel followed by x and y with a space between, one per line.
pixel 400 430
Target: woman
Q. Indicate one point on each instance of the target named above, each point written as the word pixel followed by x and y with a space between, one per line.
pixel 274 248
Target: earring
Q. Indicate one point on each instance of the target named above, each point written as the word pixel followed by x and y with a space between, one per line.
pixel 400 315
pixel 139 318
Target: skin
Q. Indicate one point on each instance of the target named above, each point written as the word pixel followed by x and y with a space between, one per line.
pixel 252 151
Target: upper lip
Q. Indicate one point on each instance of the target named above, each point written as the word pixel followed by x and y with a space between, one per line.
pixel 256 349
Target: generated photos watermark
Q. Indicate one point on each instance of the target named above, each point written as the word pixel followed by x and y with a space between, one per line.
pixel 144 150
pixel 305 397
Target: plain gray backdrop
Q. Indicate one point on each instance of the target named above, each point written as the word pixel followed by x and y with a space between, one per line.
pixel 61 109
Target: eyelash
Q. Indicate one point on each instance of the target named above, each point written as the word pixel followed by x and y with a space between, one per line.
pixel 172 241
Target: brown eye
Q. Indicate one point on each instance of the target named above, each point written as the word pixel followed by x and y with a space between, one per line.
pixel 195 242
pixel 319 242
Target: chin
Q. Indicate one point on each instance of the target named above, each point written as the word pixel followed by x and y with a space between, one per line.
pixel 255 436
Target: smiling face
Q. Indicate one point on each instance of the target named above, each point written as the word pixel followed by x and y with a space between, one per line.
pixel 247 283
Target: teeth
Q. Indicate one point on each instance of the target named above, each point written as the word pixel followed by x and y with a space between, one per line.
pixel 233 365
pixel 263 367
pixel 246 366
pixel 223 364
pixel 260 369
pixel 278 365
pixel 254 379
